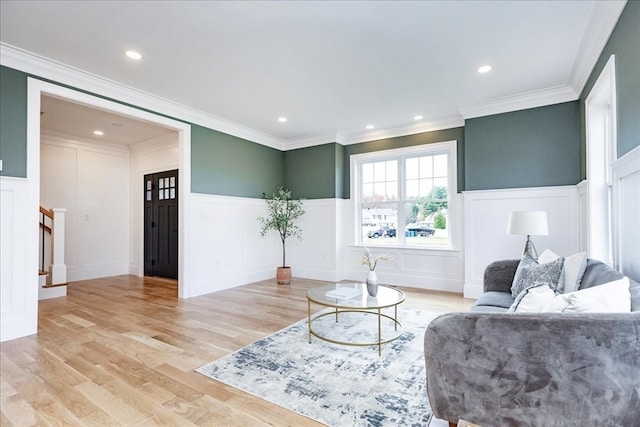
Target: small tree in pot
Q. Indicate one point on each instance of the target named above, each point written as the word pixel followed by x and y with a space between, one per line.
pixel 283 211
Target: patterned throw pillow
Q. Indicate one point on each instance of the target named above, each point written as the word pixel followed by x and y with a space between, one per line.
pixel 537 275
pixel 524 262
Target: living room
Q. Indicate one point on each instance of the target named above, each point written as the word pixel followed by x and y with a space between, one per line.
pixel 543 167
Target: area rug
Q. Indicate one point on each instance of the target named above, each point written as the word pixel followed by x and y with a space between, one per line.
pixel 334 384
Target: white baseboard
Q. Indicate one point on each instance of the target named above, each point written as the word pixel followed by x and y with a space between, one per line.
pixel 53 292
pixel 75 274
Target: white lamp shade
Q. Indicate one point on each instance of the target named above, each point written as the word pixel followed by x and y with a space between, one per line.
pixel 528 223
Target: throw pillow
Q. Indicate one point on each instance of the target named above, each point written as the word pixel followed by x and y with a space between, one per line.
pixel 574 268
pixel 533 299
pixel 612 297
pixel 547 256
pixel 525 261
pixel 536 274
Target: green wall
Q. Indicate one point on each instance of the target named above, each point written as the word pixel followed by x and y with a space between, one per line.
pixel 221 164
pixel 13 122
pixel 314 172
pixel 226 165
pixel 537 147
pixel 624 42
pixel 528 148
pixel 457 134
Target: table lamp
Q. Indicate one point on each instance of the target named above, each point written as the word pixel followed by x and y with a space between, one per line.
pixel 528 223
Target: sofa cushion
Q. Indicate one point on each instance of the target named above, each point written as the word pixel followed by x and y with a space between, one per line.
pixel 534 274
pixel 494 299
pixel 598 273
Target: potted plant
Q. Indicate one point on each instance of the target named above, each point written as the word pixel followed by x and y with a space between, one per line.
pixel 283 211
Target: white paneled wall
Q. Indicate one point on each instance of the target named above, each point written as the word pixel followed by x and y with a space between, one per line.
pixel 226 249
pixel 486 214
pixel 91 181
pixel 626 212
pixel 18 265
pixel 423 269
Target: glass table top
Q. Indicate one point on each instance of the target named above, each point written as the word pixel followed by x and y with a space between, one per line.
pixel 387 296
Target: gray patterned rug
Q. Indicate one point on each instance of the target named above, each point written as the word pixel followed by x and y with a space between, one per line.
pixel 334 384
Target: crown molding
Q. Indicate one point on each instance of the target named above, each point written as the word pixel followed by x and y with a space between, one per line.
pixel 421 126
pixel 602 21
pixel 39 66
pixel 312 140
pixel 523 101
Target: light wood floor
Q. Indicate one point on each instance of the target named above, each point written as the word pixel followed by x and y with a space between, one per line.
pixel 122 351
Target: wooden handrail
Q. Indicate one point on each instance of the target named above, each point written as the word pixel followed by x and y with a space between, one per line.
pixel 46 228
pixel 46 212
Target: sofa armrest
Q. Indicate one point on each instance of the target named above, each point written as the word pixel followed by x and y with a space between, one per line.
pixel 498 276
pixel 516 369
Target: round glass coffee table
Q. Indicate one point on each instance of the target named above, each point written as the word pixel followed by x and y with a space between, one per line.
pixel 386 297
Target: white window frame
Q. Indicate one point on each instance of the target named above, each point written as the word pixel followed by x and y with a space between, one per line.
pixel 454 222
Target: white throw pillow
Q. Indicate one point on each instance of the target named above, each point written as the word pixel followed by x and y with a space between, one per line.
pixel 574 267
pixel 547 256
pixel 533 299
pixel 612 297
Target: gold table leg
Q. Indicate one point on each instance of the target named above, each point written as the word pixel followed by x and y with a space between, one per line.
pixel 379 334
pixel 309 318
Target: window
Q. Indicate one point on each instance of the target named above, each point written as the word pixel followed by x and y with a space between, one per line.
pixel 405 195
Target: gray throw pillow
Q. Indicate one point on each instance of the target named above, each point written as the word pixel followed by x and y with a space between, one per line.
pixel 524 262
pixel 538 275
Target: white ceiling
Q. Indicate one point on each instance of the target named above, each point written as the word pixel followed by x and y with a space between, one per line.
pixel 330 67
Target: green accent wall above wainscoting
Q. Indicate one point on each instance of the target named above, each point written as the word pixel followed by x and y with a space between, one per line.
pixel 624 42
pixel 313 172
pixel 13 122
pixel 537 147
pixel 230 166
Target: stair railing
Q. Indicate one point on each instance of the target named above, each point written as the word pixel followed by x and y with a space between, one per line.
pixel 44 214
pixel 55 225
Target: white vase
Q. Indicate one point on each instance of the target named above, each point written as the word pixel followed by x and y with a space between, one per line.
pixel 372 283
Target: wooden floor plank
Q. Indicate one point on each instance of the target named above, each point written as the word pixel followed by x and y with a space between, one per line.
pixel 122 351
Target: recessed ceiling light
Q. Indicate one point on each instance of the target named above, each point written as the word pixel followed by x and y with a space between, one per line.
pixel 133 55
pixel 98 132
pixel 484 69
pixel 282 119
pixel 370 127
pixel 418 117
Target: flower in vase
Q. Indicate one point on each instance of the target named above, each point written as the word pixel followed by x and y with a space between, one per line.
pixel 371 261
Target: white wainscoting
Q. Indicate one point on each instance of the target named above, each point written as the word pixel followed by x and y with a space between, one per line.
pixel 441 270
pixel 92 181
pixel 626 208
pixel 18 264
pixel 226 249
pixel 486 214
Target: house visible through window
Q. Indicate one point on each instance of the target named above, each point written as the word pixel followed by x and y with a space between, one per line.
pixel 404 195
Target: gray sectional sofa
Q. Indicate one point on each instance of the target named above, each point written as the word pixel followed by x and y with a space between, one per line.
pixel 496 368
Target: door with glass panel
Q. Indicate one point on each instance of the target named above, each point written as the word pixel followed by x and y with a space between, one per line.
pixel 161 224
